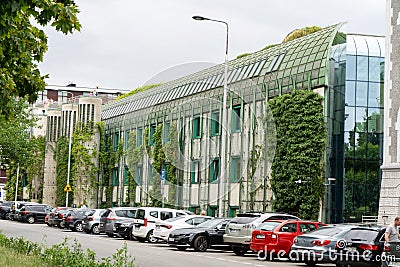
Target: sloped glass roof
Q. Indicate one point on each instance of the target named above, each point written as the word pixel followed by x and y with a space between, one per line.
pixel 301 62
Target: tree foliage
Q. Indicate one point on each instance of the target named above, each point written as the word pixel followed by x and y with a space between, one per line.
pixel 22 44
pixel 300 145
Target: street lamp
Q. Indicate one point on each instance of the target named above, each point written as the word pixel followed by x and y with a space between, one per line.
pixel 221 190
pixel 69 147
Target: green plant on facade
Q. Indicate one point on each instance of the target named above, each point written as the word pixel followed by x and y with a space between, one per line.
pixel 297 169
pixel 108 158
pixel 161 162
pixel 84 167
pixel 134 155
pixel 252 166
pixel 61 158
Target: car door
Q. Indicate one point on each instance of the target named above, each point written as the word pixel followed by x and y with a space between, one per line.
pixel 286 234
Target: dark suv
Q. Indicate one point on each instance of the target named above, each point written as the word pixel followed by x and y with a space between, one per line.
pixel 5 208
pixel 33 213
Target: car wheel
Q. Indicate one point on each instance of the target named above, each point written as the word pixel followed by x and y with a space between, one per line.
pixel 95 229
pixel 200 243
pixel 31 219
pixel 110 234
pixel 239 251
pixel 181 248
pixel 150 237
pixel 78 227
pixel 7 216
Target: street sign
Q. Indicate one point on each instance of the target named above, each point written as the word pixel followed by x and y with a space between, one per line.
pixel 68 188
pixel 163 174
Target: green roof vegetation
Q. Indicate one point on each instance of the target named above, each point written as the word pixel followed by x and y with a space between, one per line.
pixel 138 90
pixel 291 36
pixel 300 33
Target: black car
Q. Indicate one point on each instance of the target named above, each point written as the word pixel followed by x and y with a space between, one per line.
pixel 55 216
pixel 73 219
pixel 391 254
pixel 16 207
pixel 201 237
pixel 32 213
pixel 361 246
pixel 5 208
pixel 124 229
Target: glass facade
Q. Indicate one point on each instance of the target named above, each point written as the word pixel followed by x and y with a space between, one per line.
pixel 363 126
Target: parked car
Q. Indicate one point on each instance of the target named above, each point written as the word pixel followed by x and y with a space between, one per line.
pixel 164 228
pixel 15 207
pixel 52 218
pixel 200 237
pixel 112 215
pixel 146 219
pixel 5 208
pixel 91 221
pixel 73 219
pixel 391 255
pixel 275 237
pixel 32 213
pixel 238 231
pixel 363 247
pixel 124 229
pixel 327 243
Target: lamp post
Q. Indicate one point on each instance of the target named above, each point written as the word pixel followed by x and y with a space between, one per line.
pixel 69 146
pixel 221 189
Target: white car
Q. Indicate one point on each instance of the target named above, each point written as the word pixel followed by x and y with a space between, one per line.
pixel 163 229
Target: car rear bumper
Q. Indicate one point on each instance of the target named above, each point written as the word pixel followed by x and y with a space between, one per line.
pixel 237 240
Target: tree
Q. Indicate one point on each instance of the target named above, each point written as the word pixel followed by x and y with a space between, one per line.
pixel 22 44
pixel 16 145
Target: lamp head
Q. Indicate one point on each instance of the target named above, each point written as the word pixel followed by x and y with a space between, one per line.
pixel 199 18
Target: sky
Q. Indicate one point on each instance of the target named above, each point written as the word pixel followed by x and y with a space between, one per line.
pixel 124 44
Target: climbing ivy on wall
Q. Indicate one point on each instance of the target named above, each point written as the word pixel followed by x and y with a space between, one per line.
pixel 35 169
pixel 61 157
pixel 301 136
pixel 107 161
pixel 163 156
pixel 134 155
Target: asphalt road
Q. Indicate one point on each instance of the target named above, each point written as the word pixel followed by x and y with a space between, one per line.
pixel 145 254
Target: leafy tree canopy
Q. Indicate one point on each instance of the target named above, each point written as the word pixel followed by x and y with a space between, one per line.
pixel 22 44
pixel 15 144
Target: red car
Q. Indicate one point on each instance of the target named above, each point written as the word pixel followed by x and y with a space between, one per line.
pixel 275 237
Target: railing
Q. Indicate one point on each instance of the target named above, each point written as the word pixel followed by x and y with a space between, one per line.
pixel 369 219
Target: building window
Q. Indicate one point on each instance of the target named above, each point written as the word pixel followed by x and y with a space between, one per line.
pixel 126 176
pixel 166 127
pixel 195 172
pixel 115 177
pixel 115 141
pixel 196 127
pixel 139 137
pixel 126 139
pixel 139 174
pixel 214 170
pixel 152 131
pixel 215 124
pixel 236 119
pixel 235 169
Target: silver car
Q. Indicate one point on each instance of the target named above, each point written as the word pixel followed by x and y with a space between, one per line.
pixel 91 221
pixel 113 215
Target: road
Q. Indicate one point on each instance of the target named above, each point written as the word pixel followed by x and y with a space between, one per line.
pixel 145 254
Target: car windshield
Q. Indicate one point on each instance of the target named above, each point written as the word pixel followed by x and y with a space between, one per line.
pixel 268 226
pixel 211 223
